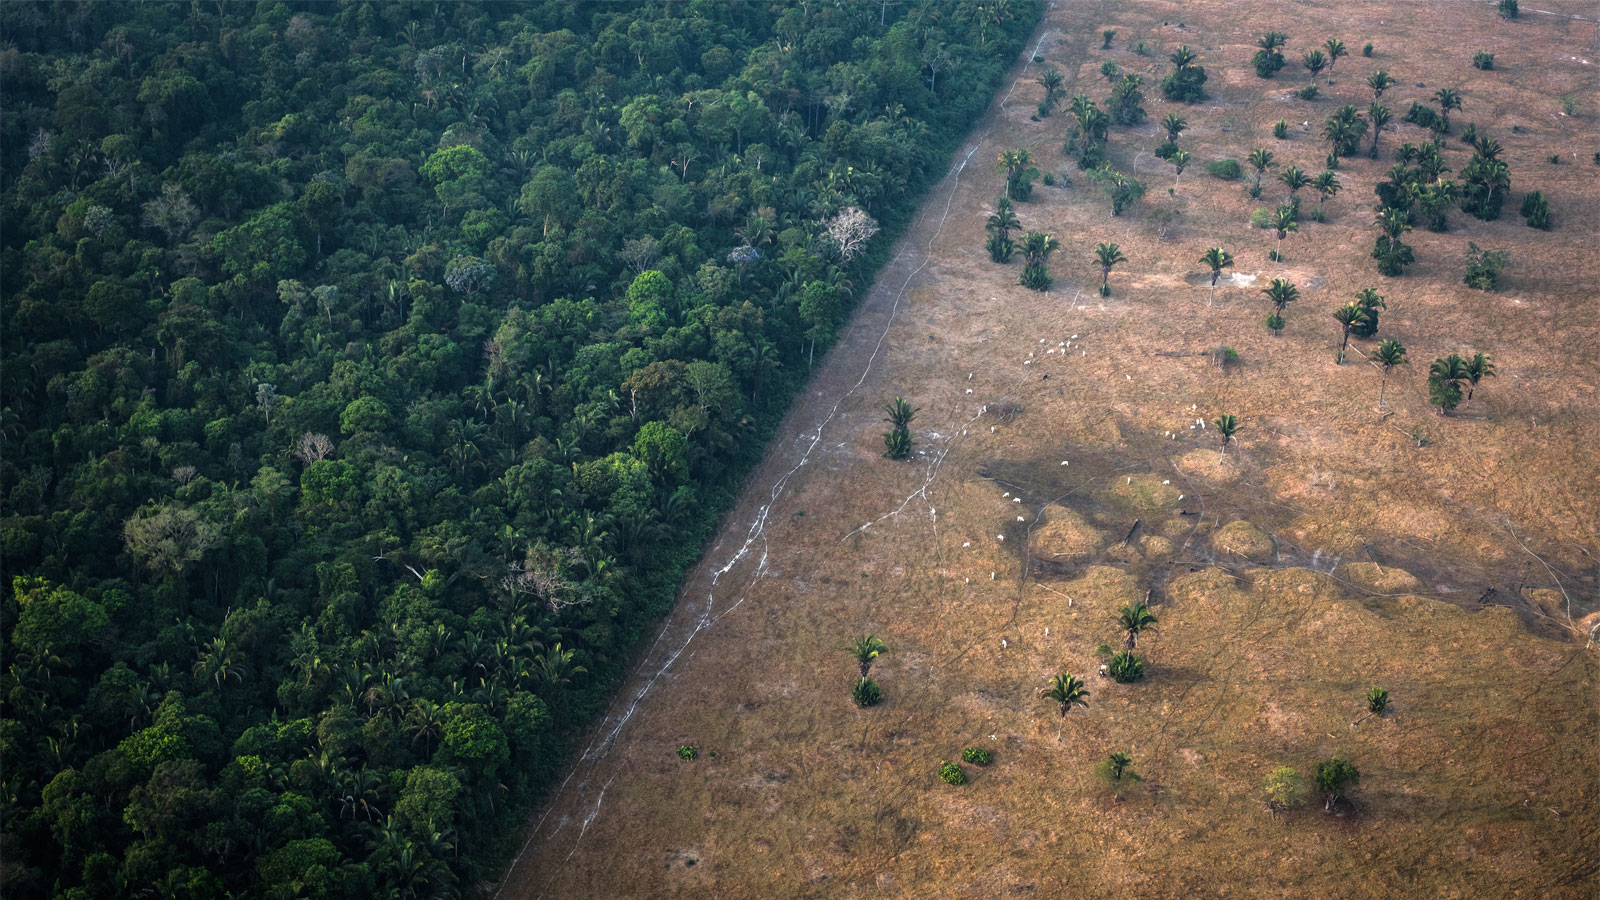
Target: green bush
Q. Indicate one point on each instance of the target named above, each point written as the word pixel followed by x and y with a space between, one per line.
pixel 1536 210
pixel 687 751
pixel 1423 116
pixel 1267 63
pixel 1125 667
pixel 1508 9
pixel 1226 169
pixel 1308 92
pixel 1274 323
pixel 1367 50
pixel 866 693
pixel 1482 60
pixel 1165 149
pixel 1105 39
pixel 950 773
pixel 1484 267
pixel 1049 179
pixel 1280 130
pixel 1261 218
pixel 978 756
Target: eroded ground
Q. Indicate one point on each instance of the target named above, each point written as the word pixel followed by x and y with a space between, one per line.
pixel 1447 559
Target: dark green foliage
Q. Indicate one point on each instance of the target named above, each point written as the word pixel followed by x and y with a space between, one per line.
pixel 897 443
pixel 1166 149
pixel 1274 323
pixel 1423 116
pixel 1483 60
pixel 1307 92
pixel 1269 59
pixel 1186 82
pixel 1125 667
pixel 687 752
pixel 1225 169
pixel 865 692
pixel 1366 50
pixel 1280 129
pixel 372 374
pixel 1124 190
pixel 978 756
pixel 1392 256
pixel 1536 210
pixel 1377 700
pixel 1484 267
pixel 1000 248
pixel 950 773
pixel 1035 276
pixel 1333 777
pixel 1508 9
pixel 1105 39
pixel 1126 101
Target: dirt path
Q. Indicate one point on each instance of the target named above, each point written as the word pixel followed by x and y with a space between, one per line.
pixel 1049 423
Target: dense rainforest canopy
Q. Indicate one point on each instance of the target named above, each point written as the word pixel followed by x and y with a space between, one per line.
pixel 372 372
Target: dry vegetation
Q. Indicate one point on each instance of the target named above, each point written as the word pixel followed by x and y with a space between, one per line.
pixel 1379 560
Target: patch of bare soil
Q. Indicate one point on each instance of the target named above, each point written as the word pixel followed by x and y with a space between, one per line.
pixel 1481 780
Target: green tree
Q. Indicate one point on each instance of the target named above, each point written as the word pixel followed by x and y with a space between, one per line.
pixel 1116 770
pixel 1348 316
pixel 1444 382
pixel 865 649
pixel 1174 125
pixel 1379 116
pixel 1066 692
pixel 1478 368
pixel 1335 50
pixel 1484 267
pixel 1000 225
pixel 1217 259
pixel 1315 61
pixel 1379 81
pixel 1334 777
pixel 1260 159
pixel 1134 618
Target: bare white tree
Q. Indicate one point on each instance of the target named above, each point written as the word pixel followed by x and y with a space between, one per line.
pixel 850 230
pixel 312 447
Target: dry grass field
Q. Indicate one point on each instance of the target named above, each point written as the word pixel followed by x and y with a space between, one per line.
pixel 1449 559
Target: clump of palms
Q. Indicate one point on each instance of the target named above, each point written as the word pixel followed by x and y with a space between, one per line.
pixel 1392 255
pixel 1036 249
pixel 1294 179
pixel 1389 354
pixel 1315 61
pixel 1000 226
pixel 1370 302
pixel 1218 259
pixel 1344 130
pixel 897 441
pixel 1050 79
pixel 1444 382
pixel 1017 165
pixel 1106 256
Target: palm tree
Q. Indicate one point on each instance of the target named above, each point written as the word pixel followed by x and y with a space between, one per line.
pixel 1106 256
pixel 1175 125
pixel 1389 354
pixel 1478 368
pixel 999 226
pixel 1294 179
pixel 1134 618
pixel 1227 426
pixel 1335 50
pixel 866 649
pixel 1379 81
pixel 1379 115
pixel 1327 184
pixel 1315 61
pixel 1261 159
pixel 1218 259
pixel 1448 99
pixel 901 412
pixel 1284 220
pixel 1281 292
pixel 1013 161
pixel 1394 222
pixel 555 667
pixel 1179 160
pixel 1109 70
pixel 1037 246
pixel 1050 79
pixel 1348 316
pixel 1370 302
pixel 1066 691
pixel 1182 57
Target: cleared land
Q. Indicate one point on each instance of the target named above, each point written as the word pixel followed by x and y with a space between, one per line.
pixel 1384 533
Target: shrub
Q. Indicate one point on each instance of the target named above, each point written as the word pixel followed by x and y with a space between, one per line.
pixel 1484 267
pixel 1261 218
pixel 1186 85
pixel 1469 135
pixel 978 756
pixel 1166 149
pixel 1226 169
pixel 1274 323
pixel 1367 50
pixel 1105 290
pixel 1141 49
pixel 897 444
pixel 1105 39
pixel 687 751
pixel 1125 667
pixel 1482 60
pixel 1422 115
pixel 1000 248
pixel 1280 130
pixel 950 773
pixel 1267 63
pixel 1103 650
pixel 1317 215
pixel 1308 92
pixel 1035 276
pixel 1274 256
pixel 1377 700
pixel 1554 158
pixel 1049 179
pixel 1536 209
pixel 1285 789
pixel 866 693
pixel 1223 356
pixel 1508 9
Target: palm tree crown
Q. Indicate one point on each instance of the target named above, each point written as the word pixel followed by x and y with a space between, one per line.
pixel 866 649
pixel 1067 691
pixel 1134 618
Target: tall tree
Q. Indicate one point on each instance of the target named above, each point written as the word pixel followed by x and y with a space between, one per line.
pixel 1335 50
pixel 1134 618
pixel 1106 256
pixel 1390 353
pixel 1217 259
pixel 1260 159
pixel 1066 691
pixel 1227 426
pixel 1477 369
